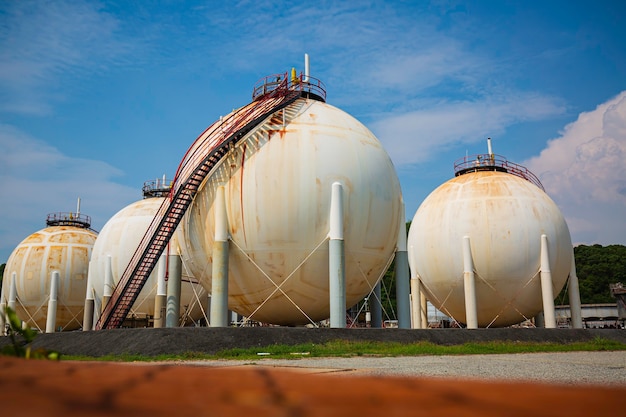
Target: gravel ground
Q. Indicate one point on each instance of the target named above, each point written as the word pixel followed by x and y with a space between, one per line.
pixel 596 368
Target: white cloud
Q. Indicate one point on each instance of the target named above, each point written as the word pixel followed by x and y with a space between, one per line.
pixel 37 179
pixel 584 171
pixel 416 136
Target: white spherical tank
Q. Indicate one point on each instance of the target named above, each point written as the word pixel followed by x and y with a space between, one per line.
pixel 277 183
pixel 65 249
pixel 119 239
pixel 504 217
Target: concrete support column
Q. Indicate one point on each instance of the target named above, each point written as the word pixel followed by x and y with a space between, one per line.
pixel 3 306
pixel 109 285
pixel 424 309
pixel 402 278
pixel 175 273
pixel 12 291
pixel 161 296
pixel 219 271
pixel 416 293
pixel 376 308
pixel 416 313
pixel 51 316
pixel 547 293
pixel 336 260
pixel 539 320
pixel 469 285
pixel 89 308
pixel 208 310
pixel 573 293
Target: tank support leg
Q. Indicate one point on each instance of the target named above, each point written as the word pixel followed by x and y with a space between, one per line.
pixel 547 293
pixel 89 305
pixel 3 306
pixel 416 299
pixel 424 308
pixel 175 272
pixel 376 307
pixel 219 272
pixel 109 285
pixel 13 291
pixel 574 298
pixel 469 284
pixel 51 316
pixel 336 260
pixel 161 296
pixel 402 277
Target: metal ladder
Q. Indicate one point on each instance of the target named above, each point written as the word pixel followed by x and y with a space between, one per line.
pixel 210 147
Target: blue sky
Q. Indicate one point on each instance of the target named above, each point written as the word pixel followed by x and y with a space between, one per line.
pixel 98 97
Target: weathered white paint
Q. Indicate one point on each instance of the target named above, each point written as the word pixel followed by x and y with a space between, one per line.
pixel 59 248
pixel 278 187
pixel 505 216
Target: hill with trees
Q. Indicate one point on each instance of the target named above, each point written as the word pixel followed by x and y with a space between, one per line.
pixel 597 266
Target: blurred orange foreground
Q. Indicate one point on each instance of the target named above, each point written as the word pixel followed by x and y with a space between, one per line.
pixel 46 388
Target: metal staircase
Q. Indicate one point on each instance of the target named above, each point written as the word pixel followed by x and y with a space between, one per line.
pixel 208 149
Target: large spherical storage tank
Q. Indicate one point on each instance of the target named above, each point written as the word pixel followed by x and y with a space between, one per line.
pixel 277 183
pixel 65 249
pixel 504 217
pixel 119 238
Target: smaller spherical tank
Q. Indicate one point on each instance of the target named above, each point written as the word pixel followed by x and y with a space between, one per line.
pixel 504 216
pixel 65 249
pixel 119 238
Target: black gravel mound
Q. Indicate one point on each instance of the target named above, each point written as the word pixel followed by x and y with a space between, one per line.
pixel 152 342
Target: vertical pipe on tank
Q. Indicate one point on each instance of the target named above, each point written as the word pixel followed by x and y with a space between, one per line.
pixel 416 296
pixel 175 275
pixel 89 306
pixel 336 260
pixel 51 316
pixel 547 294
pixel 12 291
pixel 306 68
pixel 109 285
pixel 402 277
pixel 376 308
pixel 219 270
pixel 574 298
pixel 161 295
pixel 469 285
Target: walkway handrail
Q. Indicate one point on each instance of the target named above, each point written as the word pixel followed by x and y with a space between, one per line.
pixel 489 162
pixel 302 83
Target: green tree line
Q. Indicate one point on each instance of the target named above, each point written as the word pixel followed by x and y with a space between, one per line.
pixel 596 267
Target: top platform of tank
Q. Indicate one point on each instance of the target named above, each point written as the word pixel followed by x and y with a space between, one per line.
pixel 309 87
pixel 68 219
pixel 493 162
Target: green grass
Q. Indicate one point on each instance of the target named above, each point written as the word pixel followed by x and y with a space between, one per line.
pixel 341 348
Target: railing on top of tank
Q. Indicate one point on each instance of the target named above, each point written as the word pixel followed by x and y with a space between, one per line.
pixel 486 162
pixel 157 188
pixel 305 84
pixel 68 219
